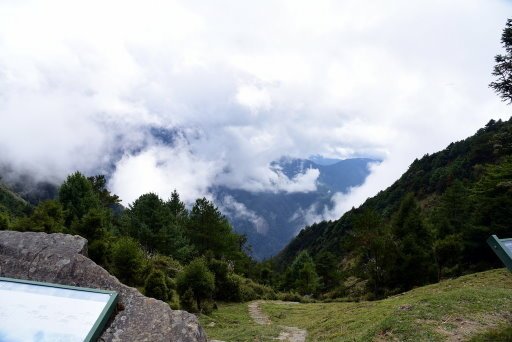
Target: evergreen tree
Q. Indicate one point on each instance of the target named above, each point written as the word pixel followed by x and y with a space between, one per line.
pixel 47 217
pixel 375 251
pixel 307 281
pixel 302 275
pixel 328 270
pixel 152 222
pixel 99 185
pixel 198 279
pixel 415 263
pixel 211 233
pixel 77 197
pixel 503 67
pixel 177 209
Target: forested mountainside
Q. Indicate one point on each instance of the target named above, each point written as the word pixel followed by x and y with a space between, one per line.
pixel 187 258
pixel 430 224
pixel 271 219
pixel 11 202
pixel 268 219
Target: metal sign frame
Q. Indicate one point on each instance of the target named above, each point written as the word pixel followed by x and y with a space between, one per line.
pixel 103 318
pixel 502 251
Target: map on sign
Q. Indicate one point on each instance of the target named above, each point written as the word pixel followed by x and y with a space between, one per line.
pixel 508 245
pixel 31 312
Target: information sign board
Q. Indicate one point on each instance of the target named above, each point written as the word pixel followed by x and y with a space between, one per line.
pixel 503 249
pixel 36 311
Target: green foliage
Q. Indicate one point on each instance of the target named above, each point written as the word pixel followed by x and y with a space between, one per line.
pixel 48 217
pixel 77 197
pixel 198 279
pixel 415 261
pixel 226 289
pixel 127 260
pixel 99 185
pixel 187 301
pixel 92 225
pixel 430 224
pixel 11 203
pixel 167 265
pixel 151 221
pixel 156 286
pixel 500 334
pixel 328 270
pixel 250 290
pixel 503 67
pixel 147 244
pixel 211 233
pixel 455 309
pixel 99 251
pixel 4 221
pixel 302 276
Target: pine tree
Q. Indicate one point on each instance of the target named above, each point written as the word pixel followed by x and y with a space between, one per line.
pixel 503 67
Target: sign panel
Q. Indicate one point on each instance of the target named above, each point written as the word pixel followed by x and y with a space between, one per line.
pixel 34 311
pixel 503 249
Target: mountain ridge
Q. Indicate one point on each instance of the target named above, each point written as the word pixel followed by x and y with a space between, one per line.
pixel 457 197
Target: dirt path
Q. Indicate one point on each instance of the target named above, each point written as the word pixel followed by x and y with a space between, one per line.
pixel 289 334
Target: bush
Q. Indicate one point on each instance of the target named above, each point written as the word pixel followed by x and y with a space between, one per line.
pixel 289 297
pixel 166 264
pixel 249 290
pixel 156 286
pixel 127 260
pixel 98 251
pixel 187 301
pixel 175 300
pixel 227 287
pixel 197 278
pixel 4 221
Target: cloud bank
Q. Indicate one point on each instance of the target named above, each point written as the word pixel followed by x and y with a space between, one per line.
pixel 84 84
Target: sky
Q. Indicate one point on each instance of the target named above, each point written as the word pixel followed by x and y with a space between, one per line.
pixel 234 85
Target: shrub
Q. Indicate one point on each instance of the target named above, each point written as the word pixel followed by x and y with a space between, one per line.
pixel 127 260
pixel 156 286
pixel 187 301
pixel 198 279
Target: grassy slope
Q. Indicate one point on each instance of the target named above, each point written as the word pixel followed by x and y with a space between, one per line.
pixel 462 308
pixel 233 323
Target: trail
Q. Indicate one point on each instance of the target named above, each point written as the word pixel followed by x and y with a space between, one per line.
pixel 289 334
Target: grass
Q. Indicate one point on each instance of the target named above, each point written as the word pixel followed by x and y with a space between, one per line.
pixel 500 334
pixel 454 309
pixel 231 322
pixel 476 307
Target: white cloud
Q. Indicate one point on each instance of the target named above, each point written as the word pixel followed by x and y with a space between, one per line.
pixel 231 206
pixel 244 84
pixel 161 169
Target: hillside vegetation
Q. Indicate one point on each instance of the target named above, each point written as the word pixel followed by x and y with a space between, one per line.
pixel 430 224
pixel 11 204
pixel 186 257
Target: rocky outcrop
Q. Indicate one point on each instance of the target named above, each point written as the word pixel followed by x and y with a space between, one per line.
pixel 62 259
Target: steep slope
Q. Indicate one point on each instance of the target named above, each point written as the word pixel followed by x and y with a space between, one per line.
pixel 11 203
pixel 444 207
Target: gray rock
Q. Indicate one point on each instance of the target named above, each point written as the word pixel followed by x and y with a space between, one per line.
pixel 62 259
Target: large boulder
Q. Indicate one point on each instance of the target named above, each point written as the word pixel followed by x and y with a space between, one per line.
pixel 62 259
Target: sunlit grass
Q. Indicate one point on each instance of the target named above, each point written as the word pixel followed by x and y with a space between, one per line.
pixel 458 308
pixel 231 322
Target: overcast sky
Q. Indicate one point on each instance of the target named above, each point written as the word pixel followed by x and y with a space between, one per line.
pixel 240 84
